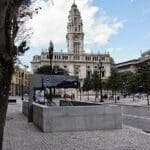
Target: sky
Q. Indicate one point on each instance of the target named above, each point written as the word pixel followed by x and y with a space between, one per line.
pixel 120 27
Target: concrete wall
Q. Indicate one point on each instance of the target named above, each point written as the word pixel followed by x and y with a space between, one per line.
pixel 25 105
pixel 77 118
pixel 137 116
pixel 75 103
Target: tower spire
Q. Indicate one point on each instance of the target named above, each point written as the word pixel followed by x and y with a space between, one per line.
pixel 75 35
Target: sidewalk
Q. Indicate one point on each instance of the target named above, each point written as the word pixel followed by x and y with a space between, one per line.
pixel 21 135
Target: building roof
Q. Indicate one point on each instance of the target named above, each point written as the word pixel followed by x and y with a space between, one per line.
pixel 74 5
pixel 146 53
pixel 60 81
pixel 129 62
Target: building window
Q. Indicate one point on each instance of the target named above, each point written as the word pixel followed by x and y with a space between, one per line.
pixel 65 57
pixel 103 74
pixel 88 74
pixel 75 21
pixel 88 58
pixel 103 58
pixel 76 57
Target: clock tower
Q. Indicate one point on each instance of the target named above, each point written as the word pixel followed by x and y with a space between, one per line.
pixel 75 35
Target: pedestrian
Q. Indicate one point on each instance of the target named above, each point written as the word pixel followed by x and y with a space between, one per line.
pixel 118 98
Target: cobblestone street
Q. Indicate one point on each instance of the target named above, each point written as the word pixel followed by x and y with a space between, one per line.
pixel 21 135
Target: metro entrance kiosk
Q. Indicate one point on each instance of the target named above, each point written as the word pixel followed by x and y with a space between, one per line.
pixel 41 82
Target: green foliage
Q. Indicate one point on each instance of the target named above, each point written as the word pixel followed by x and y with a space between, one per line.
pixel 105 85
pixel 95 81
pixel 129 82
pixel 144 77
pixel 87 84
pixel 46 70
pixel 132 84
pixel 115 80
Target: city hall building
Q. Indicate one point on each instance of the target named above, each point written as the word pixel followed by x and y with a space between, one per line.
pixel 75 61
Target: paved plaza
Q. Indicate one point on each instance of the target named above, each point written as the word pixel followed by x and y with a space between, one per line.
pixel 21 135
pixel 122 101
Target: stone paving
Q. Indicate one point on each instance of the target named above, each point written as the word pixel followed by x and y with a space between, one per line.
pixel 21 135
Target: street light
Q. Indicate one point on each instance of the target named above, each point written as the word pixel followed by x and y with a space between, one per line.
pixel 50 50
pixel 79 87
pixel 22 84
pixel 100 77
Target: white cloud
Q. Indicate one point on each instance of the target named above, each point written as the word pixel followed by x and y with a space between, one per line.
pixel 87 50
pixel 50 23
pixel 114 50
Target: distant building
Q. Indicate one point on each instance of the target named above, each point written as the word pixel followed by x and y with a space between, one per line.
pixel 20 78
pixel 75 61
pixel 133 64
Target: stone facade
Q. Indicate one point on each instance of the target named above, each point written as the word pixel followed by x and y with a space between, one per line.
pixel 132 65
pixel 75 61
pixel 20 79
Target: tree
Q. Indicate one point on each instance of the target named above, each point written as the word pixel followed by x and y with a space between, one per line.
pixel 144 79
pixel 125 76
pixel 95 83
pixel 132 84
pixel 87 85
pixel 13 14
pixel 55 70
pixel 115 82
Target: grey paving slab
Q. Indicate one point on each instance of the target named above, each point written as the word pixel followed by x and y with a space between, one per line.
pixel 20 135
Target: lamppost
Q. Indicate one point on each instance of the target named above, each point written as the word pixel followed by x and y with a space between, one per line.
pixel 100 77
pixel 22 84
pixel 79 87
pixel 50 50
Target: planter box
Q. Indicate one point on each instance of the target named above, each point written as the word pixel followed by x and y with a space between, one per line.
pixel 76 118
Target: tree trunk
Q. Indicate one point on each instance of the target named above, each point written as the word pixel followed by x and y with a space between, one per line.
pixel 8 52
pixel 3 110
pixel 5 80
pixel 133 98
pixel 115 97
pixel 147 99
pixel 95 95
pixel 107 91
pixel 80 95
